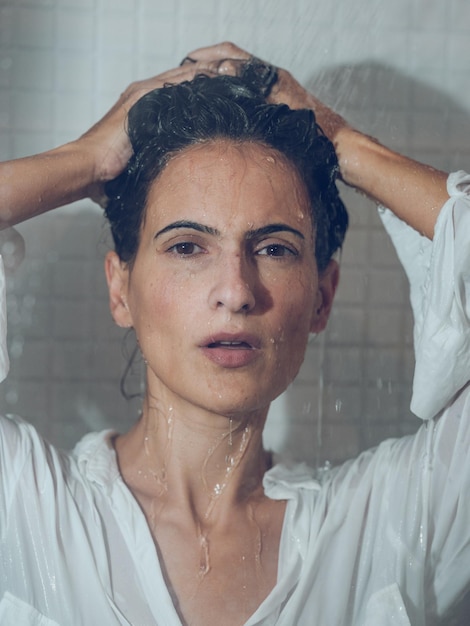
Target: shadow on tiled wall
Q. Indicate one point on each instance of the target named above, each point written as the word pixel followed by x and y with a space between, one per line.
pixel 367 359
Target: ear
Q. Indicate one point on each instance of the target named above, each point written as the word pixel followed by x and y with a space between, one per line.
pixel 327 284
pixel 117 275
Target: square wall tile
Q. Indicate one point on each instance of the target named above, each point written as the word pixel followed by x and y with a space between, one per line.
pixel 73 113
pixel 71 320
pixel 427 49
pixel 430 15
pixel 385 327
pixel 340 441
pixel 116 32
pixel 107 361
pixel 382 250
pixel 426 129
pixel 76 30
pixel 343 364
pixel 157 36
pixel 388 286
pixel 115 72
pixel 74 72
pixel 36 27
pixel 33 70
pixel 71 360
pixel 346 326
pixel 352 287
pixel 34 358
pixel 32 112
pixel 383 367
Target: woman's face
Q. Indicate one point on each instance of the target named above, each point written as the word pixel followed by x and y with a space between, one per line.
pixel 224 288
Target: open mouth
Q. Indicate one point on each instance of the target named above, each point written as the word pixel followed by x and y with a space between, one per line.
pixel 231 345
pixel 232 351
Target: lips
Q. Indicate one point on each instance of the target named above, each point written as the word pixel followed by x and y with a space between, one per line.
pixel 231 350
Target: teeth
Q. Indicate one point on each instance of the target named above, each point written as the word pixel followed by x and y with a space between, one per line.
pixel 229 344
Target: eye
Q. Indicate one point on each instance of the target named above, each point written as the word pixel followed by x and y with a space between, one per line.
pixel 185 248
pixel 277 250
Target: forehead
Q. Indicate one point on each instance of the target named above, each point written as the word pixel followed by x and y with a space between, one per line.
pixel 231 179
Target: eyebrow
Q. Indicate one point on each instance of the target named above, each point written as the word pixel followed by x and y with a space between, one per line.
pixel 252 234
pixel 273 228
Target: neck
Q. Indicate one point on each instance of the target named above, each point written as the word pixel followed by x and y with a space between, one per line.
pixel 200 462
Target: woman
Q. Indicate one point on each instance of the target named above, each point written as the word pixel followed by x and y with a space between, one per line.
pixel 181 520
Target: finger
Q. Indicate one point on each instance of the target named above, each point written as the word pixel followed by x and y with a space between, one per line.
pixel 175 75
pixel 231 67
pixel 187 59
pixel 188 71
pixel 225 50
pixel 213 67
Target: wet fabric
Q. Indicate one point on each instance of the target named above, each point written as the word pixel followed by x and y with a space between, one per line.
pixel 384 540
pixel 439 275
pixel 4 362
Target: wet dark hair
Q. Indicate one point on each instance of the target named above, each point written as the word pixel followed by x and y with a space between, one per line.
pixel 166 121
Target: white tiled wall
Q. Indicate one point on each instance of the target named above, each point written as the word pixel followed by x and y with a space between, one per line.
pixel 400 70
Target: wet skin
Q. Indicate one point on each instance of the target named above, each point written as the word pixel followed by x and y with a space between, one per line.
pixel 222 295
pixel 224 289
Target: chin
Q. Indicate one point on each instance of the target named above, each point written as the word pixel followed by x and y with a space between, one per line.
pixel 226 402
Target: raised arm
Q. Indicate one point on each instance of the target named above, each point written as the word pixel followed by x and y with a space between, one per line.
pixel 36 184
pixel 413 191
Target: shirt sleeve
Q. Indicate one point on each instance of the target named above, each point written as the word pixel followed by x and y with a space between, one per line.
pixel 4 362
pixel 15 449
pixel 439 275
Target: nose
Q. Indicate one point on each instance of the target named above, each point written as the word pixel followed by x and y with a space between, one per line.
pixel 234 285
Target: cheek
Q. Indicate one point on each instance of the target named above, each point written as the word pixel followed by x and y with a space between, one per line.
pixel 162 311
pixel 298 299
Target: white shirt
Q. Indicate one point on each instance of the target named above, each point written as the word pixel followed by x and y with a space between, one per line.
pixel 439 275
pixel 4 362
pixel 384 540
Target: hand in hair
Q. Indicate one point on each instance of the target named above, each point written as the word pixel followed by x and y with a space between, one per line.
pixel 108 139
pixel 227 58
pixel 413 191
pixel 78 169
